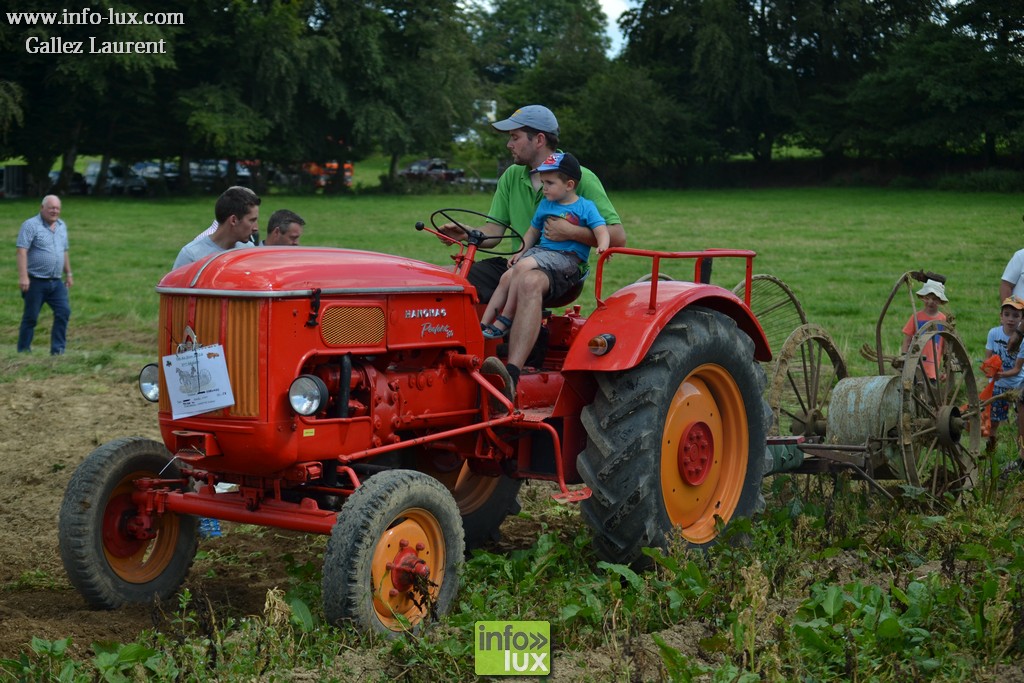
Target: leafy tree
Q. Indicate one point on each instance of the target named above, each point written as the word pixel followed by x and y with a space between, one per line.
pixel 237 77
pixel 11 112
pixel 415 88
pixel 830 45
pixel 563 68
pixel 999 27
pixel 546 53
pixel 941 91
pixel 627 129
pixel 715 59
pixel 12 95
pixel 64 95
pixel 514 34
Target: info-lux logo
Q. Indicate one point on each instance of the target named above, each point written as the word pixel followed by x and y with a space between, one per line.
pixel 512 648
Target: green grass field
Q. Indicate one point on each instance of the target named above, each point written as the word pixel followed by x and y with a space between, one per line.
pixel 840 251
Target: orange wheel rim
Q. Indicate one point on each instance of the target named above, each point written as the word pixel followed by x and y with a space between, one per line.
pixel 134 559
pixel 414 539
pixel 704 452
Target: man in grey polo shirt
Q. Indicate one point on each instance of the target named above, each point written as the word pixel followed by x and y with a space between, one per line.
pixel 42 255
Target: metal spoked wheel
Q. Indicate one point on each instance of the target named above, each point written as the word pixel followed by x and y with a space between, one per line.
pixel 807 369
pixel 776 307
pixel 940 418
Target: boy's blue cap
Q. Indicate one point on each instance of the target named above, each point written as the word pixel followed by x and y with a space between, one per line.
pixel 533 116
pixel 563 162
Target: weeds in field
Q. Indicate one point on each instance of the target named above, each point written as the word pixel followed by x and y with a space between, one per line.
pixel 35 579
pixel 51 661
pixel 816 589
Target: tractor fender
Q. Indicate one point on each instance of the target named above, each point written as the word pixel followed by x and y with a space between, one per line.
pixel 628 316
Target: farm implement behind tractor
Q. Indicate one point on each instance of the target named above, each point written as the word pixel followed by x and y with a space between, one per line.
pixel 353 394
pixel 900 425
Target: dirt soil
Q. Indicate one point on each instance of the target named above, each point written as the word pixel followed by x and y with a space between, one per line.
pixel 49 427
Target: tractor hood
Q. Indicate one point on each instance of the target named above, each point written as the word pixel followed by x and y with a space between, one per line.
pixel 278 272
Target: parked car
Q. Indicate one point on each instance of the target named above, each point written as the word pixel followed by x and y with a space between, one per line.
pixel 76 185
pixel 13 180
pixel 432 169
pixel 151 171
pixel 120 180
pixel 211 174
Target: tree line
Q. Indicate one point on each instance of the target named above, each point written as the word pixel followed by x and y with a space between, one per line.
pixel 697 81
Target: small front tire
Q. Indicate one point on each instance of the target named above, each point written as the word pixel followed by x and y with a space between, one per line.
pixel 393 556
pixel 108 562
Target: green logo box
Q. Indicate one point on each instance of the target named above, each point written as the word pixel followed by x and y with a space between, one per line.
pixel 512 648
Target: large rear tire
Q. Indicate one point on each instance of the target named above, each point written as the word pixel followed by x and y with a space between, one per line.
pixel 106 560
pixel 393 556
pixel 484 501
pixel 677 444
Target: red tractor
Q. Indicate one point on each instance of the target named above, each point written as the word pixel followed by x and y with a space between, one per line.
pixel 353 394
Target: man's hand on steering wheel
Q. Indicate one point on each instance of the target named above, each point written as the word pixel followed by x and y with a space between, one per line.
pixel 466 235
pixel 452 230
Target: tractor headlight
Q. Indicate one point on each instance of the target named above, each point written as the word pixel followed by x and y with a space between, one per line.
pixel 149 382
pixel 307 394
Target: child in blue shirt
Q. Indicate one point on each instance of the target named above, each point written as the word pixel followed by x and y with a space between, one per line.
pixel 1012 374
pixel 559 175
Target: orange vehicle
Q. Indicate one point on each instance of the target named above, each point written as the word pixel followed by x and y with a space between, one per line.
pixel 353 394
pixel 328 173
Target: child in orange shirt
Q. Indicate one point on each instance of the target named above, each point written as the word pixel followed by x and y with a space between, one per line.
pixel 933 295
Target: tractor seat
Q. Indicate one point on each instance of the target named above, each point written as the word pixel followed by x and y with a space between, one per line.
pixel 569 295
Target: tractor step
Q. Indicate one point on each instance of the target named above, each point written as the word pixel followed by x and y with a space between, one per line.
pixel 536 414
pixel 573 496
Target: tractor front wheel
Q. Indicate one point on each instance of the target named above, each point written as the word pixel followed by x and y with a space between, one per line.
pixel 110 554
pixel 676 445
pixel 393 555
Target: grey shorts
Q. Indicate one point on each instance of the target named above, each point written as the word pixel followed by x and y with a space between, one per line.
pixel 561 267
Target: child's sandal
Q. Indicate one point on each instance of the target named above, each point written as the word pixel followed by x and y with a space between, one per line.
pixel 493 332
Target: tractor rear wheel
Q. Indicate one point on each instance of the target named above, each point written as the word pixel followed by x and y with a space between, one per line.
pixel 677 444
pixel 393 555
pixel 484 501
pixel 108 559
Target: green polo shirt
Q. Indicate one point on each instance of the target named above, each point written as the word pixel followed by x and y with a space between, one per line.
pixel 515 201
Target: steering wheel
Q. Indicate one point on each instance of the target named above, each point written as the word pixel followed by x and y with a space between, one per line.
pixel 476 237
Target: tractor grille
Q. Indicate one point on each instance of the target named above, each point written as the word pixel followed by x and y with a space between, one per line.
pixel 352 326
pixel 231 322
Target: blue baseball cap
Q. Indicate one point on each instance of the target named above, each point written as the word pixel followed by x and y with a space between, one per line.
pixel 562 162
pixel 531 116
